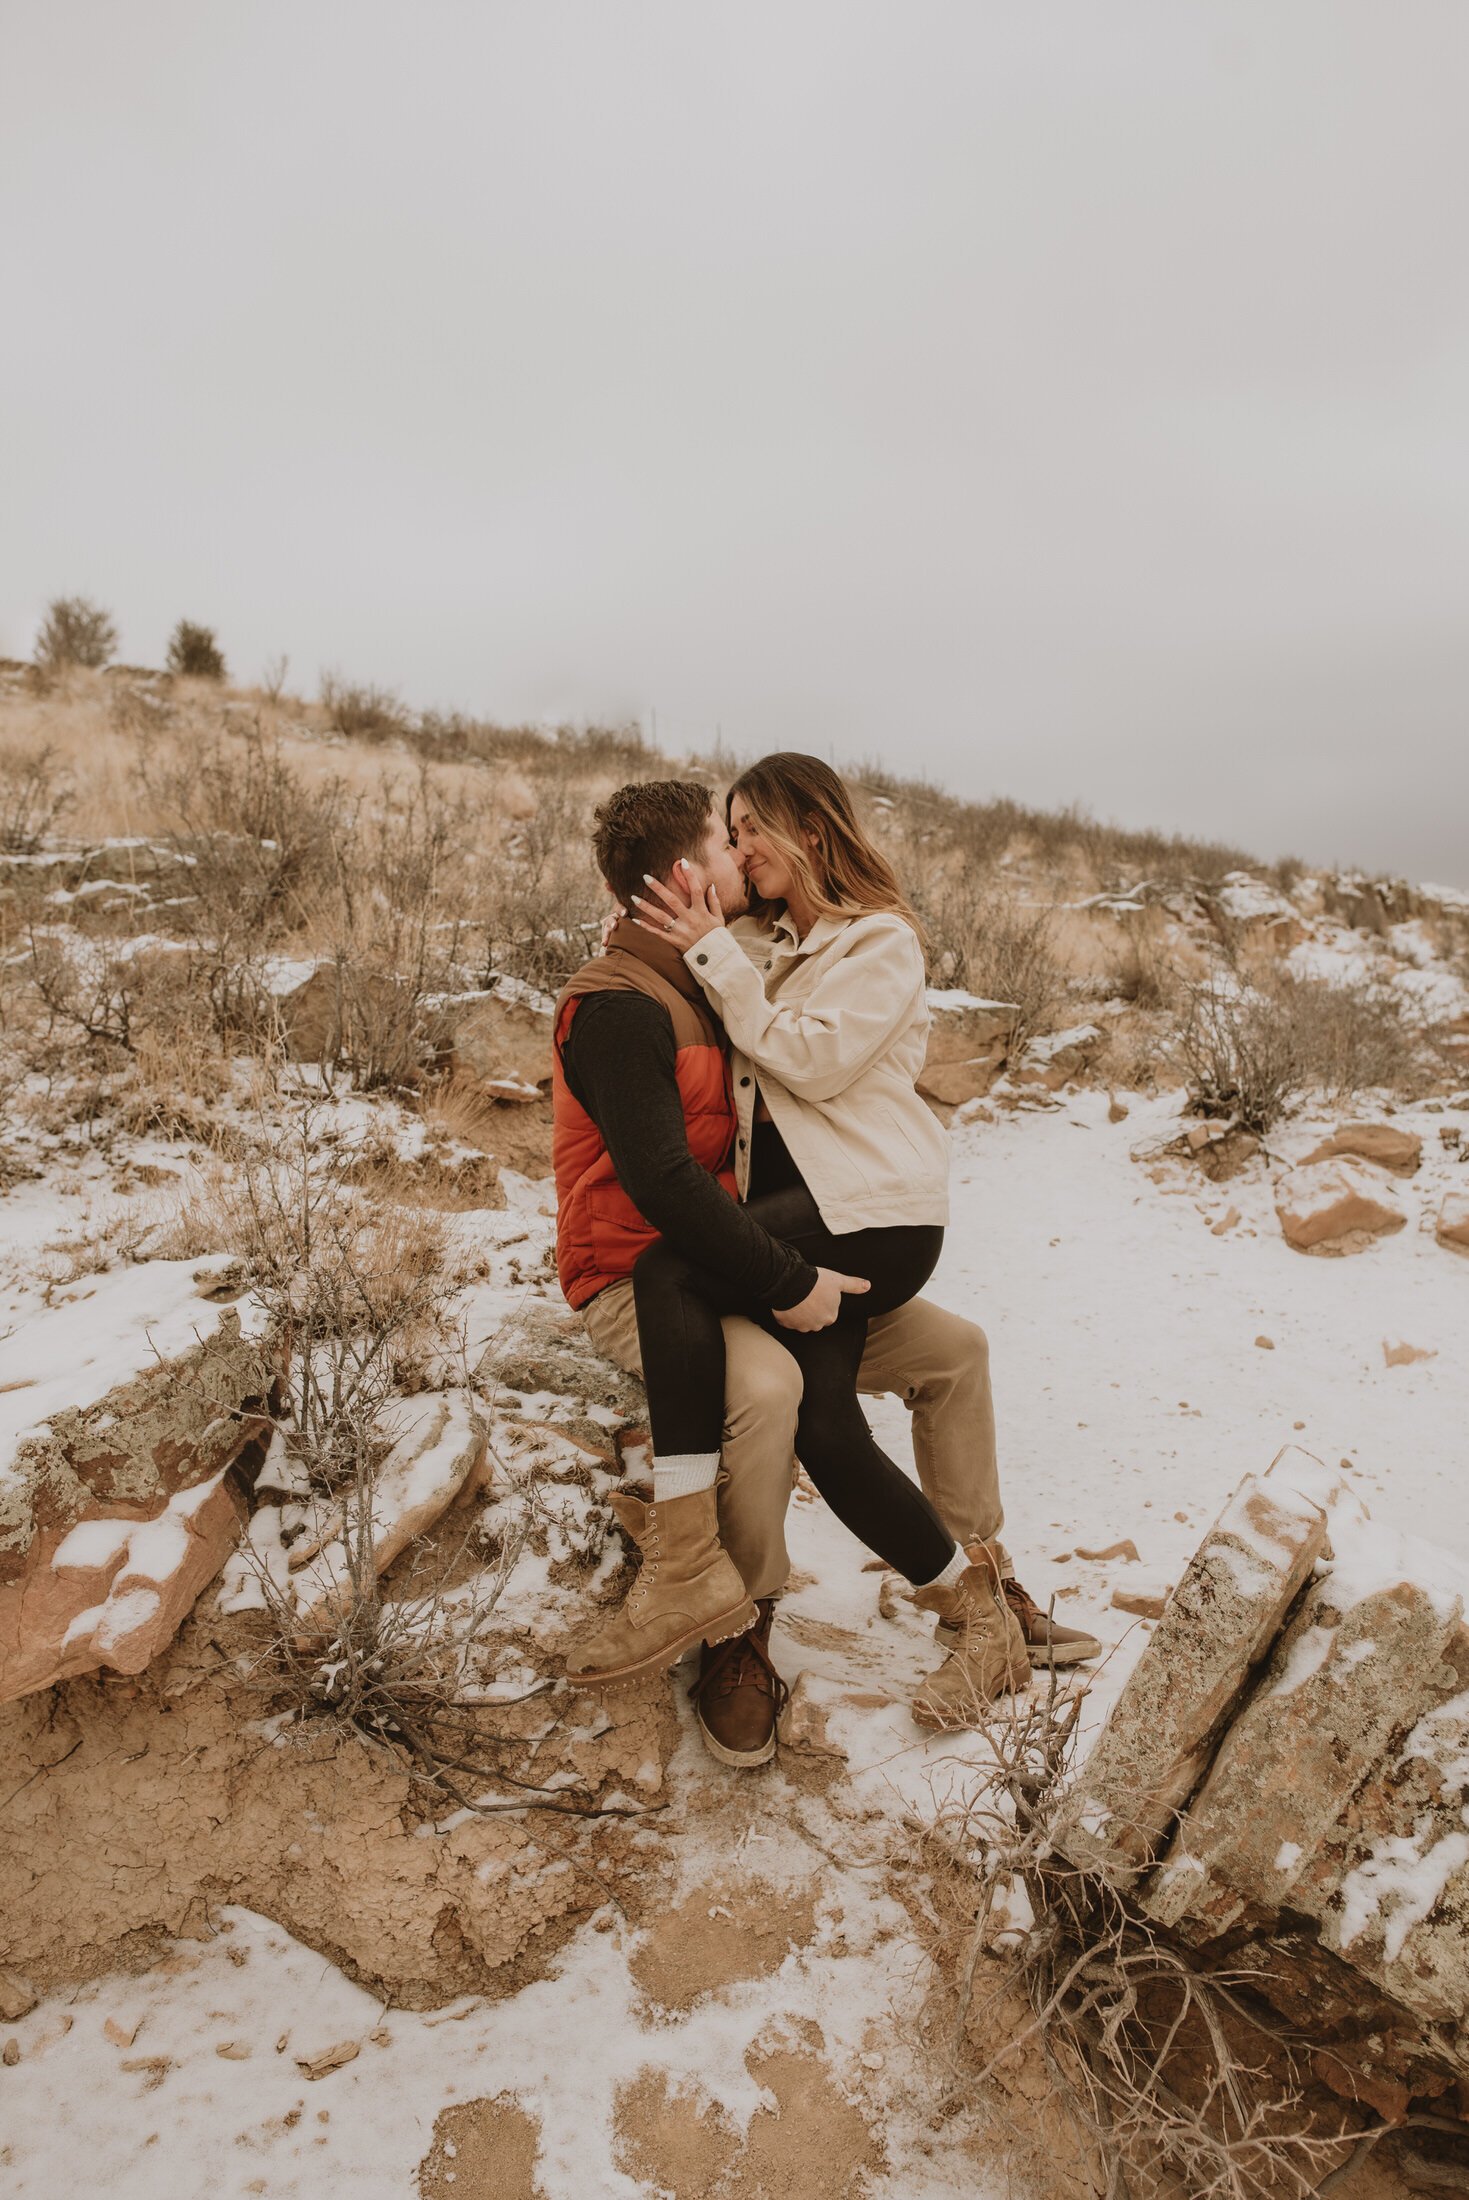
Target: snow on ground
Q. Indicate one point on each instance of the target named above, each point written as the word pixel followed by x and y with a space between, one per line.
pixel 1132 1394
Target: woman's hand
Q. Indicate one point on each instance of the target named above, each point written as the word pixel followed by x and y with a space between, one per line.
pixel 678 918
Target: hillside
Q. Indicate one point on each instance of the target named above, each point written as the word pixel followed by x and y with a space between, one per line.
pixel 304 1480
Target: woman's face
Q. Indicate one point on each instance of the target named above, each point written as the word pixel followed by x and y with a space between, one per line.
pixel 769 875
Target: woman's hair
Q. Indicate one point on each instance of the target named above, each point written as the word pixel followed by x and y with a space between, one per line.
pixel 844 872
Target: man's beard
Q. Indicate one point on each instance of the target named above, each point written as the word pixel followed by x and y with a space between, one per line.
pixel 739 907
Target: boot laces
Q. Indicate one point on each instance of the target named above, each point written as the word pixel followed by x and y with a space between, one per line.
pixel 1021 1603
pixel 743 1662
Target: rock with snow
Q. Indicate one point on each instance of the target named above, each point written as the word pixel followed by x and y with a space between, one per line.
pixel 546 1357
pixel 1247 910
pixel 121 1411
pixel 1054 1060
pixel 1143 1599
pixel 1451 1225
pixel 1339 1793
pixel 499 1038
pixel 1320 1802
pixel 439 1454
pixel 1386 1145
pixel 323 1005
pixel 1219 1623
pixel 968 1042
pixel 1337 1206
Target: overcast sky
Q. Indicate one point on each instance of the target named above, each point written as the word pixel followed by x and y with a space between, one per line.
pixel 1064 401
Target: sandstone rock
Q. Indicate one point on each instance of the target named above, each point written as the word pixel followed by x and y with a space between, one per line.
pixel 1336 1206
pixel 501 1038
pixel 546 1348
pixel 1383 1144
pixel 1225 1223
pixel 1451 1226
pixel 1247 910
pixel 1359 1663
pixel 440 1450
pixel 1221 1150
pixel 1141 1601
pixel 317 1003
pixel 1054 1060
pixel 968 1041
pixel 120 1413
pixel 1219 1623
pixel 17 1997
pixel 330 2059
pixel 1266 1344
pixel 810 1724
pixel 1125 1549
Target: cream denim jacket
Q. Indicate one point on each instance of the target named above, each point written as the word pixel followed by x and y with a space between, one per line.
pixel 832 1031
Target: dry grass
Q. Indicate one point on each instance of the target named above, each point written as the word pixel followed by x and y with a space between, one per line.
pixel 1131 2071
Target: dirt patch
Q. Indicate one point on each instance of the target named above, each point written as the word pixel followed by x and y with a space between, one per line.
pixel 813 2144
pixel 823 1634
pixel 134 1809
pixel 726 1932
pixel 482 2150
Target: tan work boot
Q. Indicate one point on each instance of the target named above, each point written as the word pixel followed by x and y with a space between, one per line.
pixel 1047 1641
pixel 688 1590
pixel 989 1653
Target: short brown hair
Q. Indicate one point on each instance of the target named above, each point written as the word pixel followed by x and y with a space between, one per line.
pixel 646 827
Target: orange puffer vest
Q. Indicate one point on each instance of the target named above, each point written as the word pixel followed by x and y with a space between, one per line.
pixel 599 1232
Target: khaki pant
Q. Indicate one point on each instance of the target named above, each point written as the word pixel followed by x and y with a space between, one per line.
pixel 936 1362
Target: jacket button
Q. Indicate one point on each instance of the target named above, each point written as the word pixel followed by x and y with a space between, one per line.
pixel 705 958
pixel 767 966
pixel 742 1145
pixel 744 1081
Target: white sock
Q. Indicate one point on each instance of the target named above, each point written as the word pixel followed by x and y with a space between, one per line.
pixel 683 1473
pixel 958 1564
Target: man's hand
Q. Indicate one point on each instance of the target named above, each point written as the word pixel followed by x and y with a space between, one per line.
pixel 820 1308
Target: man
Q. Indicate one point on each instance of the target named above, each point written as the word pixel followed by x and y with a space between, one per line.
pixel 644 1125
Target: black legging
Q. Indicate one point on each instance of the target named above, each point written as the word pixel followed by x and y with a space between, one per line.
pixel 679 1306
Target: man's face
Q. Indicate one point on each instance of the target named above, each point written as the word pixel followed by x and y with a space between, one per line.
pixel 718 866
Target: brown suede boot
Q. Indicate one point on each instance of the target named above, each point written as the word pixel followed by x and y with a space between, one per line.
pixel 688 1590
pixel 739 1695
pixel 989 1653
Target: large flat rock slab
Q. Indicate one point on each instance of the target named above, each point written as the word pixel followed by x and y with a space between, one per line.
pixel 121 1410
pixel 1220 1622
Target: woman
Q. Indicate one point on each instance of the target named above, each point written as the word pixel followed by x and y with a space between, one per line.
pixel 821 990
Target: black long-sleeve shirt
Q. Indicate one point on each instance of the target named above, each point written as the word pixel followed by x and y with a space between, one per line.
pixel 620 1063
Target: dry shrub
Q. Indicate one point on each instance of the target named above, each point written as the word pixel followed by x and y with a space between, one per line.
pixel 1238 1054
pixel 36 791
pixel 544 903
pixel 1011 959
pixel 194 652
pixel 364 713
pixel 75 631
pixel 1251 1052
pixel 1353 1038
pixel 1136 2071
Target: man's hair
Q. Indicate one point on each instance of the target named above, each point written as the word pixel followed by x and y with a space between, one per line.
pixel 646 827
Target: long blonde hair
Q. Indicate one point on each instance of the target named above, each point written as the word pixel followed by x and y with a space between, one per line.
pixel 844 873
